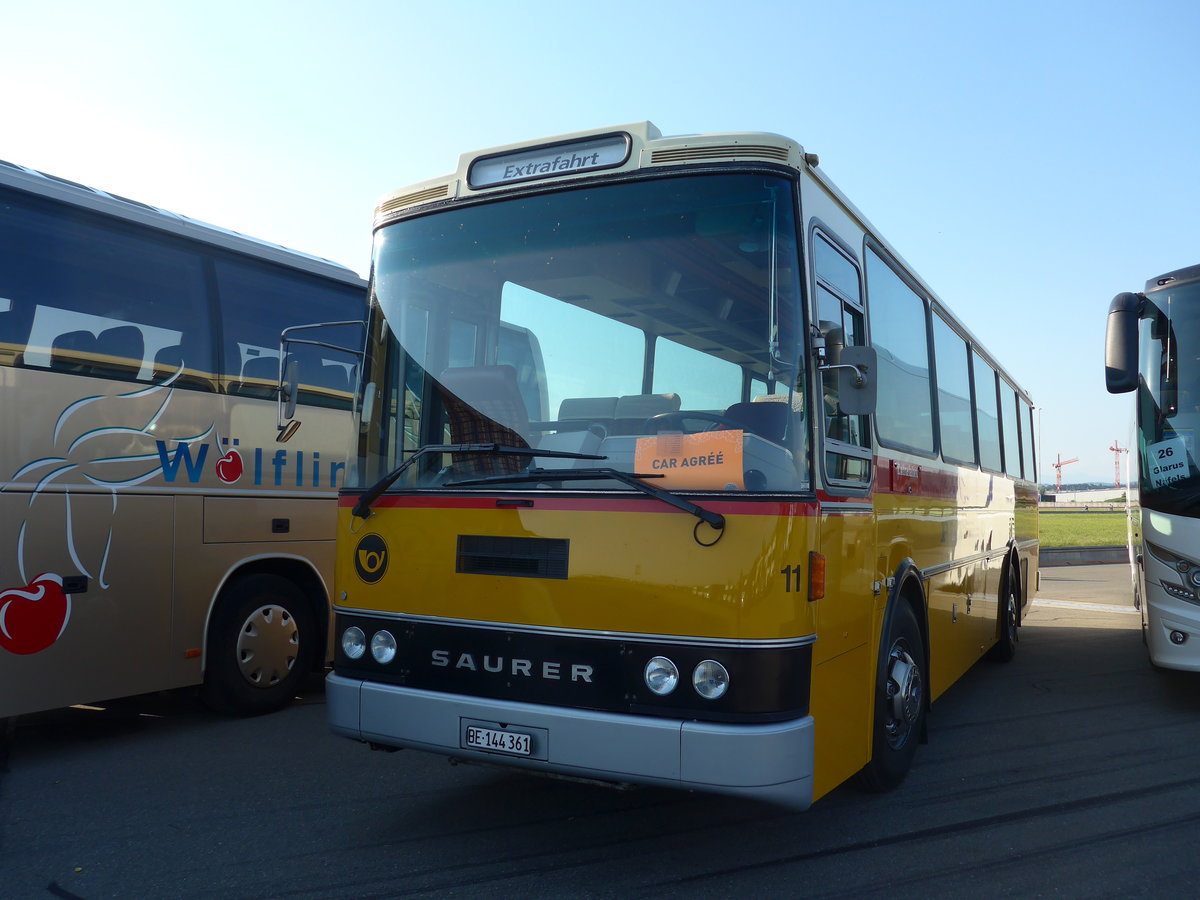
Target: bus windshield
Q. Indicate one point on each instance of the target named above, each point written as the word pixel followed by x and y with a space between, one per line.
pixel 1168 400
pixel 653 324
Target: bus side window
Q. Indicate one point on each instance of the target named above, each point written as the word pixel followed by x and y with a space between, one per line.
pixel 257 302
pixel 987 417
pixel 1027 442
pixel 899 333
pixel 1012 438
pixel 955 413
pixel 100 346
pixel 839 313
pixel 96 297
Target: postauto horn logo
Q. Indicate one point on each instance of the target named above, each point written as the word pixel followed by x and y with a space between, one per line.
pixel 371 558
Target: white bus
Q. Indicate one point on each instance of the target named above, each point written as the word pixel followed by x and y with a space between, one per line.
pixel 153 532
pixel 1151 350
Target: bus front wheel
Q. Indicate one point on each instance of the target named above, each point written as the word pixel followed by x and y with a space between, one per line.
pixel 900 703
pixel 261 641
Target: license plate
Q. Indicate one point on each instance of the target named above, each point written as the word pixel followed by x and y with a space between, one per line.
pixel 498 741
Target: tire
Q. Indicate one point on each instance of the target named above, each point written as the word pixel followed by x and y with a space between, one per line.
pixel 1008 611
pixel 900 703
pixel 261 644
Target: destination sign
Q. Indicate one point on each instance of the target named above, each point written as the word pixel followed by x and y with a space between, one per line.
pixel 550 161
pixel 1168 461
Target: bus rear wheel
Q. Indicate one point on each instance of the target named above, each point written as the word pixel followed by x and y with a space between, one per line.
pixel 900 703
pixel 1005 647
pixel 261 642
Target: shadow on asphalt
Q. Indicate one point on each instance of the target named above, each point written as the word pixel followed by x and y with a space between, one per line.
pixel 75 727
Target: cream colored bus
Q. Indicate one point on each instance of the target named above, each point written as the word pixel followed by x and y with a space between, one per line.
pixel 153 532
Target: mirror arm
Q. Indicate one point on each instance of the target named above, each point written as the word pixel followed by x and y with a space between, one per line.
pixel 288 388
pixel 859 372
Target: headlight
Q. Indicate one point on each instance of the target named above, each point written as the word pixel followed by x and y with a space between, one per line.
pixel 710 679
pixel 354 642
pixel 661 675
pixel 383 647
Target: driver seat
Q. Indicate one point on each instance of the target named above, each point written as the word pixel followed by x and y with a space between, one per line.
pixel 767 420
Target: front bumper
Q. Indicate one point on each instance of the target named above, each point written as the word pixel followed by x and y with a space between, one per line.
pixel 771 762
pixel 1165 614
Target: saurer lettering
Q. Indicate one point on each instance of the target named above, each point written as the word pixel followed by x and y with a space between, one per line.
pixel 500 665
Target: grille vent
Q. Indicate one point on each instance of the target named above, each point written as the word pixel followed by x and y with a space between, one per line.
pixel 397 203
pixel 723 151
pixel 516 557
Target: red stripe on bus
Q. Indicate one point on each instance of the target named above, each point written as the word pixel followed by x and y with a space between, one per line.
pixel 590 504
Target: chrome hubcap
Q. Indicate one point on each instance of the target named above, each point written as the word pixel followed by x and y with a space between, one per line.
pixel 1010 617
pixel 905 694
pixel 267 646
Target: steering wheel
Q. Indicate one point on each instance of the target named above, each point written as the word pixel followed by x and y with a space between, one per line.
pixel 673 421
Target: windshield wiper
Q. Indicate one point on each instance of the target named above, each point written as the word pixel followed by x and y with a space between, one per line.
pixel 362 508
pixel 715 520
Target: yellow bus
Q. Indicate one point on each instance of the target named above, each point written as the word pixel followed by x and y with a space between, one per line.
pixel 669 471
pixel 153 532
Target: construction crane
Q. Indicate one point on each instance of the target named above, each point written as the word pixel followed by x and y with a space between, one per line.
pixel 1117 450
pixel 1058 467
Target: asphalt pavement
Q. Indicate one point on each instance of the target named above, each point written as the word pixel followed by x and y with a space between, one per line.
pixel 1070 771
pixel 1084 596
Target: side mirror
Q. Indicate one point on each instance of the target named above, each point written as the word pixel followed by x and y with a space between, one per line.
pixel 289 378
pixel 1121 344
pixel 858 383
pixel 368 406
pixel 290 389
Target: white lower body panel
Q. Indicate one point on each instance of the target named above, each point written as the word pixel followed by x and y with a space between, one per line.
pixel 771 762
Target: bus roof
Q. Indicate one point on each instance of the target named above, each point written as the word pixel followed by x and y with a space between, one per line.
pixel 1179 276
pixel 52 187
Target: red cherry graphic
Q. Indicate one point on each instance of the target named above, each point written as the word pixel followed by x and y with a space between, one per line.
pixel 33 617
pixel 229 467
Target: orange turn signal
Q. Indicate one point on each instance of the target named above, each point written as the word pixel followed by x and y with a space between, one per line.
pixel 816 576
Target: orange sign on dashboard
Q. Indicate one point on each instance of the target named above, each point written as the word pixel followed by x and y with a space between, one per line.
pixel 710 460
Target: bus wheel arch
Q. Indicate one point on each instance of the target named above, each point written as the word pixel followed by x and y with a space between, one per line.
pixel 901 690
pixel 265 633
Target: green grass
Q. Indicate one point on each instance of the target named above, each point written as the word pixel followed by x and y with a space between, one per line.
pixel 1071 529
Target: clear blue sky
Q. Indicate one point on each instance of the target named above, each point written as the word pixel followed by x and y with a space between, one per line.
pixel 1029 159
